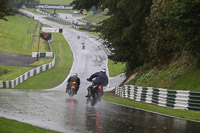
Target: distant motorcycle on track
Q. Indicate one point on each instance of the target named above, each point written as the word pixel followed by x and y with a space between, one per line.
pixel 83 44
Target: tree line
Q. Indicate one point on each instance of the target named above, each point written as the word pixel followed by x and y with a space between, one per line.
pixel 7 7
pixel 149 31
pixel 20 3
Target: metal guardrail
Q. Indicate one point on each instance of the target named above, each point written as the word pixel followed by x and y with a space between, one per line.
pixel 177 99
pixel 60 20
pixel 21 12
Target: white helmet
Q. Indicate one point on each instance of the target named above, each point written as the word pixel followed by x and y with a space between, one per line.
pixel 103 70
pixel 76 74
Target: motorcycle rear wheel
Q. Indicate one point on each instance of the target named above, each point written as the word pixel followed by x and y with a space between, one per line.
pixel 95 99
pixel 71 93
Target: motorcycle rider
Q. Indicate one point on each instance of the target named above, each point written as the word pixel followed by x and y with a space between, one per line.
pixel 83 44
pixel 100 78
pixel 73 78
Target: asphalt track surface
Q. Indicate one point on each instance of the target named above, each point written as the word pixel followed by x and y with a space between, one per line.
pixel 52 109
pixel 17 60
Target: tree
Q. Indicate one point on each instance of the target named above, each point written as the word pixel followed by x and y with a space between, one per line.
pixel 173 27
pixel 4 9
pixel 186 25
pixel 124 27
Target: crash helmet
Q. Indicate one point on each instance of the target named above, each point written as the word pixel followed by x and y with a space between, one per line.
pixel 75 74
pixel 103 70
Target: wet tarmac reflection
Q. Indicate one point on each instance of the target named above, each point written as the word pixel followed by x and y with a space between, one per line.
pixel 54 111
pixel 110 118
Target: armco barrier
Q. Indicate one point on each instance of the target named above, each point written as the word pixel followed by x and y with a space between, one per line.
pixel 25 76
pixel 60 20
pixel 177 99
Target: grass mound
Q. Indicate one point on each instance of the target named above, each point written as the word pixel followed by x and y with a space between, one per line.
pixel 96 18
pixel 181 74
pixel 56 2
pixel 12 126
pixel 55 76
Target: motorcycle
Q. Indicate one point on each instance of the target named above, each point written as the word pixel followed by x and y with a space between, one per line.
pixel 72 90
pixel 94 95
pixel 83 46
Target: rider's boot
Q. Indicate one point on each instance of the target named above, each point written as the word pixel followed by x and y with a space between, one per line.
pixel 88 94
pixel 76 90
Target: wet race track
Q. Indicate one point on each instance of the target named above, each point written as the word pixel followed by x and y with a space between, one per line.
pixel 52 109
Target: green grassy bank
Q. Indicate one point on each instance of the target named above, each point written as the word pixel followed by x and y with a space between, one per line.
pixel 181 74
pixel 57 2
pixel 96 18
pixel 12 126
pixel 16 37
pixel 53 77
pixel 115 68
pixel 22 41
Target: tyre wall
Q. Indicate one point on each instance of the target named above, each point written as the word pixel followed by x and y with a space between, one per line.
pixel 42 54
pixel 27 75
pixel 176 99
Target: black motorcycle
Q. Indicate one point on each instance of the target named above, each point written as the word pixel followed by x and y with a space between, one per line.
pixel 72 90
pixel 94 94
pixel 83 46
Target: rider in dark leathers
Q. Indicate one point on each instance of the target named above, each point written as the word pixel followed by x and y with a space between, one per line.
pixel 100 78
pixel 73 78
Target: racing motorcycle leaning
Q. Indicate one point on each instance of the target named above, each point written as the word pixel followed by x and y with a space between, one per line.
pixel 94 94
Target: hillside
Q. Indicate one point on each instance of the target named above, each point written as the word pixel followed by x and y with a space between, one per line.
pixel 16 36
pixel 180 74
pixel 96 18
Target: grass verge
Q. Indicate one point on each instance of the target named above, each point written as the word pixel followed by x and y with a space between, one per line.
pixel 32 10
pixel 115 68
pixel 97 18
pixel 16 36
pixel 54 21
pixel 12 72
pixel 56 2
pixel 181 74
pixel 186 114
pixel 71 12
pixel 53 77
pixel 13 126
